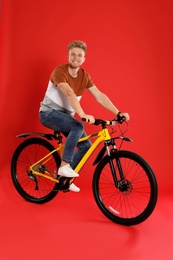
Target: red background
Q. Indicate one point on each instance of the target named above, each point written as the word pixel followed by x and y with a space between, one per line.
pixel 129 57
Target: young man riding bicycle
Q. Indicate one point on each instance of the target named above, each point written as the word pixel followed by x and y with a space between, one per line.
pixel 62 100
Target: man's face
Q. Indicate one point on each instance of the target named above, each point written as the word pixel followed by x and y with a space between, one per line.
pixel 76 57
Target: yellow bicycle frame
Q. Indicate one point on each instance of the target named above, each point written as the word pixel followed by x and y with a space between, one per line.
pixel 102 135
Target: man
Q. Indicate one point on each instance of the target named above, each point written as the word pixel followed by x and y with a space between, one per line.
pixel 66 85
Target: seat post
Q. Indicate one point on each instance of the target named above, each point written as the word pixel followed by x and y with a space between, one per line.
pixel 58 136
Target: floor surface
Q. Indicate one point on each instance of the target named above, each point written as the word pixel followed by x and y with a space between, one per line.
pixel 72 227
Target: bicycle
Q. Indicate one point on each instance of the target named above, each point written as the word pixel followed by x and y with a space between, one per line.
pixel 124 185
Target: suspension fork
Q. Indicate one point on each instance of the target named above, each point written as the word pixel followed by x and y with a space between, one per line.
pixel 109 152
pixel 119 168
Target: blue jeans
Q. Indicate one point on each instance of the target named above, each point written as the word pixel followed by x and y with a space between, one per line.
pixel 70 127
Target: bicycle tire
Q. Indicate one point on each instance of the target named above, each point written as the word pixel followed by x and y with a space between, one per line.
pixel 26 154
pixel 134 205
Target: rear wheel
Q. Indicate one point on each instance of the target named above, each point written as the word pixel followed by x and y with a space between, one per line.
pixel 135 198
pixel 32 187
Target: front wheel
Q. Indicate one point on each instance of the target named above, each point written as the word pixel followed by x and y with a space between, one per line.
pixel 134 198
pixel 31 187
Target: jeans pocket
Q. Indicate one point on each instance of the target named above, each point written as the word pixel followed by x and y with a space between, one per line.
pixel 44 115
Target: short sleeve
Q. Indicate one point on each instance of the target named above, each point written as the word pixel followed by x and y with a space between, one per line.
pixel 59 75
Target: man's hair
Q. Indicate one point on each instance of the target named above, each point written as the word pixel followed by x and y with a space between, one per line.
pixel 77 44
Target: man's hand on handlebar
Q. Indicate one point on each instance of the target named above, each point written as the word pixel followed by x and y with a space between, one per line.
pixel 89 119
pixel 123 115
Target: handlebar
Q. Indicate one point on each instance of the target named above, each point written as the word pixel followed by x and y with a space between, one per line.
pixel 119 119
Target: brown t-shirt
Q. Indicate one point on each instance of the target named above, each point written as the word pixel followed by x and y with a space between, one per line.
pixel 54 97
pixel 78 84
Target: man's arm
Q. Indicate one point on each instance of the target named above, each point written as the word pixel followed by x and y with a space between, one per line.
pixel 106 102
pixel 74 102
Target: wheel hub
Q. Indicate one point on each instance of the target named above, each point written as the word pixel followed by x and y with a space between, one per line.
pixel 125 186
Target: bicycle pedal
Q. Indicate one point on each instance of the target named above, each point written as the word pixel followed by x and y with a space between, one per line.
pixel 65 191
pixel 64 183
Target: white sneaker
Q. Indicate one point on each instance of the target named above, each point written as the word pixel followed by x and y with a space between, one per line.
pixel 74 188
pixel 67 171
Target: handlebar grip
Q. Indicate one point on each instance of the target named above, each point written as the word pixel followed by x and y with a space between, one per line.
pixel 120 119
pixel 84 119
pixel 97 121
